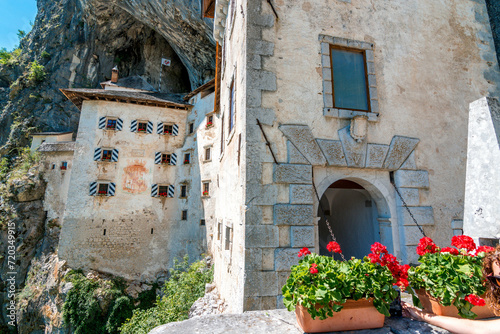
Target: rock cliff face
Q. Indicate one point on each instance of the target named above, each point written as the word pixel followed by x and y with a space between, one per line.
pixel 79 41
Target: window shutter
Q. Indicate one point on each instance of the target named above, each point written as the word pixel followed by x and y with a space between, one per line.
pixel 93 189
pixel 173 159
pixel 97 154
pixel 111 189
pixel 119 124
pixel 154 190
pixel 175 130
pixel 114 155
pixel 170 192
pixel 157 158
pixel 102 122
pixel 133 126
pixel 159 129
pixel 150 127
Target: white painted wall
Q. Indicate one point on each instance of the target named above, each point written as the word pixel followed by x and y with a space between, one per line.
pixel 482 187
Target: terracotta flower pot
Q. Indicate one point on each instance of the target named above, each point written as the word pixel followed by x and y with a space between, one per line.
pixel 432 305
pixel 356 314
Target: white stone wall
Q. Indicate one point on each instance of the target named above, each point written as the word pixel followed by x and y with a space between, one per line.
pixel 427 61
pixel 482 186
pixel 143 233
pixel 39 139
pixel 56 192
pixel 230 179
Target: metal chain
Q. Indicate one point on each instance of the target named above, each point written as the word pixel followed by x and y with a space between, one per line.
pixel 406 207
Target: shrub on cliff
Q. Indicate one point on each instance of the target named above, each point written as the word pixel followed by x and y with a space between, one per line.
pixel 92 304
pixel 36 72
pixel 185 285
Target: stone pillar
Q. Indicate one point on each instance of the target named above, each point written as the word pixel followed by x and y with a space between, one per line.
pixel 482 182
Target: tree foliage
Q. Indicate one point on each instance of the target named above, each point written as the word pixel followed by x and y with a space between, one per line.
pixel 185 285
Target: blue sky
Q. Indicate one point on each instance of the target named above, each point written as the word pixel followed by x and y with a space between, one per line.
pixel 15 15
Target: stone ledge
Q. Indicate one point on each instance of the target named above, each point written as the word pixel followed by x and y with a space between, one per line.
pixel 279 322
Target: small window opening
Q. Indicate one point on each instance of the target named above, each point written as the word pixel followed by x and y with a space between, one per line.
pixel 229 238
pixel 187 158
pixel 64 165
pixel 206 189
pixel 167 129
pixel 53 166
pixel 210 121
pixel 183 191
pixel 202 222
pixel 165 158
pixel 103 189
pixel 111 124
pixel 207 154
pixel 151 230
pixel 163 191
pixel 219 231
pixel 191 128
pixel 142 127
pixel 104 232
pixel 184 215
pixel 106 155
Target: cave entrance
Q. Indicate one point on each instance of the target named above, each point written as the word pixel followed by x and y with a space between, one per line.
pixel 353 215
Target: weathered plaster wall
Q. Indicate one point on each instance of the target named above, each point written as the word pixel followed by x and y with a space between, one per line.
pixel 482 186
pixel 143 233
pixel 56 192
pixel 39 139
pixel 229 182
pixel 430 59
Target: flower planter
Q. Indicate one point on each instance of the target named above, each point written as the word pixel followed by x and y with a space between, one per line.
pixel 356 314
pixel 432 305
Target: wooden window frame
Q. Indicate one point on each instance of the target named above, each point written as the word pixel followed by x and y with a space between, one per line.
pixel 205 188
pixel 163 193
pixel 103 192
pixel 208 157
pixel 183 192
pixel 168 158
pixel 168 125
pixel 187 158
pixel 145 123
pixel 110 155
pixel 363 52
pixel 115 119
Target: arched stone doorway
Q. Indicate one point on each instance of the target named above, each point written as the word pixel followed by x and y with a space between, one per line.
pixel 354 217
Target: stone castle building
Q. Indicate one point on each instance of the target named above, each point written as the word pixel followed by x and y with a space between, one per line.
pixel 321 111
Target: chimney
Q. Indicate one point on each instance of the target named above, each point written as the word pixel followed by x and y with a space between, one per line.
pixel 114 74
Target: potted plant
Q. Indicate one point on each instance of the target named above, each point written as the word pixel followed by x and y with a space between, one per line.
pixel 337 295
pixel 205 193
pixel 209 125
pixel 448 280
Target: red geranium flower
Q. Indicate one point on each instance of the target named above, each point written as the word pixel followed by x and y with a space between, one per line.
pixel 475 300
pixel 313 269
pixel 333 247
pixel 485 249
pixel 426 245
pixel 463 241
pixel 450 250
pixel 378 248
pixel 304 251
